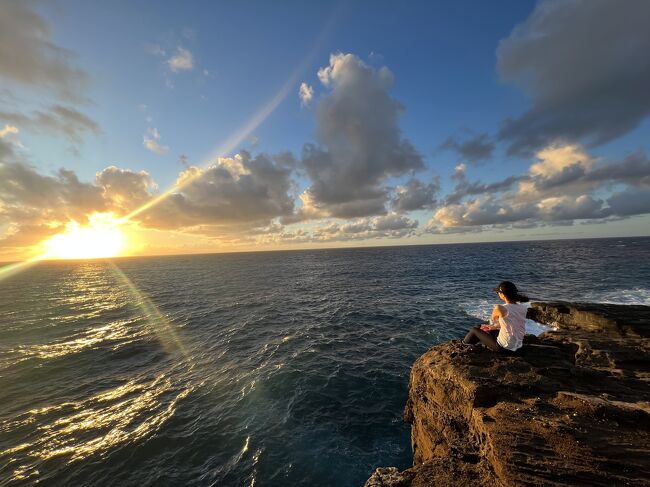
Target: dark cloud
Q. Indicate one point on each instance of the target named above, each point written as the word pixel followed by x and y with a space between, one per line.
pixel 415 195
pixel 475 150
pixel 360 143
pixel 29 57
pixel 634 170
pixel 465 188
pixel 61 194
pixel 629 202
pixel 585 66
pixel 54 120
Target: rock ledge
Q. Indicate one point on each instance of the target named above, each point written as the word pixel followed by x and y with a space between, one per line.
pixel 572 407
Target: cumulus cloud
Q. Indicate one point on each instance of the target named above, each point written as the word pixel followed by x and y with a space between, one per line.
pixel 359 142
pixel 182 60
pixel 28 56
pixel 561 186
pixel 124 190
pixel 306 94
pixel 54 120
pixel 475 150
pixel 242 191
pixel 415 195
pixel 150 141
pixel 585 67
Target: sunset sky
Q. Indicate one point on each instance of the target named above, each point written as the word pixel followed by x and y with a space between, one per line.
pixel 221 126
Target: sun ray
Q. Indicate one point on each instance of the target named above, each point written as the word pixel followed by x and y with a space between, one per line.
pixel 162 327
pixel 12 269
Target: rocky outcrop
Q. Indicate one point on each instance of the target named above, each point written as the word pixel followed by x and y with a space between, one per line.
pixel 571 407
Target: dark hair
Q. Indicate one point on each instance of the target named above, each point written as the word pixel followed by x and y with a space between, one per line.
pixel 509 290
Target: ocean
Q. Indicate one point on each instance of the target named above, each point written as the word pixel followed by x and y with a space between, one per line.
pixel 254 369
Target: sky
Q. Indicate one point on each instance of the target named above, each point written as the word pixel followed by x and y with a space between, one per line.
pixel 204 126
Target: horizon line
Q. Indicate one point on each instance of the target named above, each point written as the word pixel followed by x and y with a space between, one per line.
pixel 352 247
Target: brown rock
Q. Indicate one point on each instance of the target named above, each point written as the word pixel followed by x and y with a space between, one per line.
pixel 571 407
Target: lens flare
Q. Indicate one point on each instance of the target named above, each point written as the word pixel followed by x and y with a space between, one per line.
pixel 161 326
pixel 101 238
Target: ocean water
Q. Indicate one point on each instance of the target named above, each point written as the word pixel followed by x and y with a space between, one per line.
pixel 256 369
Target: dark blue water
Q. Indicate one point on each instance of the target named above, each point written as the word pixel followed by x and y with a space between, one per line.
pixel 268 369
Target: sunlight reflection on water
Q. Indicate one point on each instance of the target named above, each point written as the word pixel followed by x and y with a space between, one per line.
pixel 251 369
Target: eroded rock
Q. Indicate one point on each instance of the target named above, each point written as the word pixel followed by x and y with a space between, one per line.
pixel 572 407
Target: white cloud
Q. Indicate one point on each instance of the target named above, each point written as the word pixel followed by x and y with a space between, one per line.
pixel 181 61
pixel 150 142
pixel 306 94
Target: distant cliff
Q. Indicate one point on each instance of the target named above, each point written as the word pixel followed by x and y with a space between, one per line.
pixel 572 407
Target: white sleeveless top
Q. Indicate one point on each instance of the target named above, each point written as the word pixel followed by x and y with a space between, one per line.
pixel 513 326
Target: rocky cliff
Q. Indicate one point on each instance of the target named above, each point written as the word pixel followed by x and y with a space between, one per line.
pixel 571 407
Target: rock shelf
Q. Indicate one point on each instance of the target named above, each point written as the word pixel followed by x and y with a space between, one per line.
pixel 572 407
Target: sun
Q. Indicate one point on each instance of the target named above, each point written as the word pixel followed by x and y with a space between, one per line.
pixel 101 238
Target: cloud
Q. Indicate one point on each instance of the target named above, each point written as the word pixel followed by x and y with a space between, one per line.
pixel 474 150
pixel 34 206
pixel 306 94
pixel 150 142
pixel 155 49
pixel 465 188
pixel 630 202
pixel 359 142
pixel 182 60
pixel 415 195
pixel 242 190
pixel 386 226
pixel 585 67
pixel 54 120
pixel 8 130
pixel 561 186
pixel 231 198
pixel 28 56
pixel 124 190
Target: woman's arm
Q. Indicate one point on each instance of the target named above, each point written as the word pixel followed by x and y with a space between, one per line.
pixel 497 312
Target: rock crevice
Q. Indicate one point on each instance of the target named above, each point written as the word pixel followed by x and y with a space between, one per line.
pixel 571 407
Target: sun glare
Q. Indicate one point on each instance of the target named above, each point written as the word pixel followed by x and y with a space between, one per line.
pixel 101 238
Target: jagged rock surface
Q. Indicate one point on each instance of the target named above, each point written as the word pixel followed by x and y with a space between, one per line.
pixel 572 407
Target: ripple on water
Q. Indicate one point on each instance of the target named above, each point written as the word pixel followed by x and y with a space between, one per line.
pixel 273 369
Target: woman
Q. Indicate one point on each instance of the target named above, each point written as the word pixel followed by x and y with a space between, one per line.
pixel 509 319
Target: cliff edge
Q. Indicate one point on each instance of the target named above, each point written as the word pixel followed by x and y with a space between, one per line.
pixel 571 407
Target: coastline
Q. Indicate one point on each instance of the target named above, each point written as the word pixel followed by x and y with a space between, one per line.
pixel 571 407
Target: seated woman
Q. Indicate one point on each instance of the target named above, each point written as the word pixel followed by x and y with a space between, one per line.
pixel 509 319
